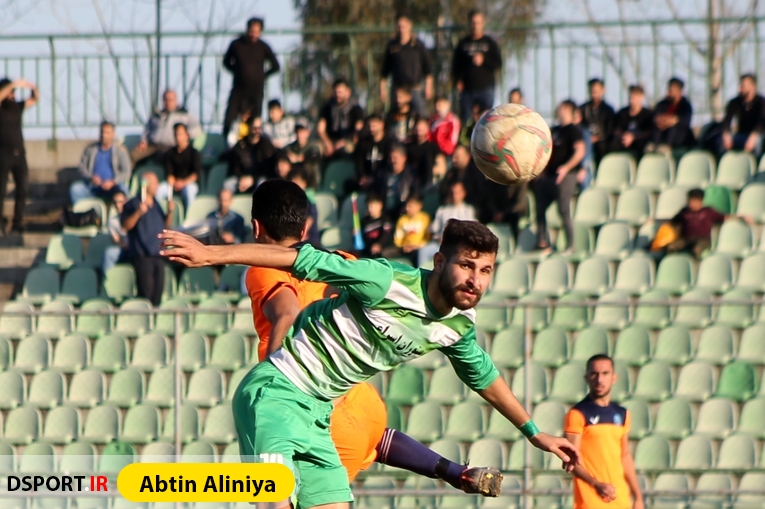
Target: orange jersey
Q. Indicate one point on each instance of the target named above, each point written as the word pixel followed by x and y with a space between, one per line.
pixel 602 430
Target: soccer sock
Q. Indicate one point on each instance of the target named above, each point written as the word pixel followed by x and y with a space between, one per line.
pixel 398 450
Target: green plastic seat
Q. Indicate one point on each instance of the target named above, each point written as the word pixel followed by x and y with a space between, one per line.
pixel 640 414
pixel 487 452
pixel 64 251
pixel 670 482
pixel 230 282
pixel 377 501
pixel 635 275
pixel 695 453
pixel 673 346
pixel 78 457
pixel 512 278
pixel 197 283
pixel 22 425
pixel 55 325
pixel 87 389
pixel 116 456
pixel 141 425
pixel 716 345
pixel 696 169
pixel 653 454
pixel 737 452
pixel 736 240
pixel 750 482
pixel 406 386
pixel 219 425
pixel 548 482
pixel 243 322
pixel 738 316
pixel 160 390
pixel 229 352
pixel 47 389
pixel 719 198
pixel 615 172
pixel 109 353
pixel 634 207
pixel 614 241
pixel 421 484
pixel 6 353
pixel 716 273
pixel 150 352
pixel 694 316
pixel 194 351
pixel 593 207
pixel 37 458
pixel 102 425
pixel 425 422
pixel 499 428
pixel 593 277
pixel 239 374
pixel 535 303
pixel 134 325
pixel 378 381
pixel 119 283
pixel 696 382
pixel 674 419
pixel 590 341
pixel 170 284
pixel 465 423
pixel 568 385
pixel 40 285
pixel 716 418
pixel 215 178
pixel 215 320
pixel 16 326
pixel 550 347
pixel 752 417
pixel 612 311
pixel 751 202
pixel 62 425
pixel 653 310
pixel 230 453
pixel 516 458
pixel 430 361
pixel 507 347
pixel 710 482
pixel 552 278
pixel 94 254
pixel 333 239
pixel 738 381
pixel 751 273
pixel 654 382
pixel 623 386
pixel 94 325
pixel 539 383
pixel 504 236
pixel 549 416
pixel 570 312
pixel 445 387
pixel 190 423
pixel 675 274
pixel 126 388
pixel 670 202
pixel 32 354
pixel 79 284
pixel 199 452
pixel 335 176
pixel 206 388
pixel 449 449
pixel 326 208
pixel 736 169
pixel 395 417
pixel 199 209
pixel 164 322
pixel 751 347
pixel 654 172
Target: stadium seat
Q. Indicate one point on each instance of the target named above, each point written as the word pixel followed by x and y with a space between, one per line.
pixel 709 483
pixel 199 209
pixel 634 207
pixel 673 346
pixel 736 239
pixel 539 383
pixel 751 347
pixel 550 347
pixel 641 418
pixel 669 482
pixel 752 417
pixel 635 275
pixel 40 285
pixel 216 176
pixel 670 202
pixel 119 283
pixel 507 347
pixel 150 352
pixel 199 452
pixel 738 381
pixel 94 325
pixel 751 483
pixel 696 169
pixel 109 353
pixel 590 341
pixel 22 425
pixel 551 483
pixel 126 388
pixel 612 311
pixel 593 207
pixel 719 198
pixel 243 321
pixel 78 457
pixel 37 458
pixel 614 241
pixel 426 422
pixel 406 386
pixel 552 277
pixel 751 274
pixel 465 422
pixel 512 278
pixel 694 316
pixel 549 416
pixel 197 283
pixel 430 361
pixel 654 172
pixel 421 484
pixel 486 452
pixel 238 375
pixel 32 354
pixel 194 351
pixel 653 310
pixel 751 202
pixel 94 254
pixel 335 176
pixel 446 388
pixel 16 326
pixel 654 382
pixel 72 354
pixel 593 277
pixel 716 418
pixel 219 425
pixel 695 453
pixel 500 428
pixel 87 389
pixel 737 452
pixel 492 313
pixel 377 501
pixel 229 352
pixel 64 251
pixel 47 390
pixel 6 353
pixel 134 325
pixel 570 312
pixel 160 391
pixel 568 385
pixel 716 345
pixel 141 425
pixel 615 172
pixel 716 274
pixel 215 321
pixel 395 416
pixel 164 320
pixel 696 382
pixel 537 311
pixel 189 429
pixel 737 316
pixel 326 208
pixel 55 325
pixel 170 284
pixel 505 237
pixel 230 282
pixel 675 274
pixel 242 205
pixel 736 169
pixel 115 456
pixel 79 285
pixel 206 388
pixel 674 420
pixel 516 458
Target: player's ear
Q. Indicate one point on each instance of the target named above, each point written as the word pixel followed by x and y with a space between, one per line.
pixel 304 231
pixel 255 229
pixel 439 260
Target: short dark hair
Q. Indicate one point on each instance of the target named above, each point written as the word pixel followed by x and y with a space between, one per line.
pixel 697 194
pixel 468 235
pixel 181 125
pixel 568 103
pixel 300 125
pixel 516 90
pixel 274 103
pixel 636 89
pixel 595 81
pixel 403 15
pixel 749 76
pixel 281 207
pixel 255 21
pixel 398 147
pixel 5 81
pixel 405 89
pixel 340 81
pixel 374 197
pixel 375 116
pixel 300 171
pixel 415 197
pixel 442 98
pixel 599 357
pixel 473 12
pixel 104 123
pixel 674 80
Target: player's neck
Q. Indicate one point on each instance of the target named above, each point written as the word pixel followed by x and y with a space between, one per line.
pixel 600 401
pixel 285 242
pixel 435 297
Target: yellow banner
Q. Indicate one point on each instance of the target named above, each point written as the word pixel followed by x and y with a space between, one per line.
pixel 205 482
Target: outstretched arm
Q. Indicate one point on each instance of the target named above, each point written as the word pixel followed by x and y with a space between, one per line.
pixel 188 251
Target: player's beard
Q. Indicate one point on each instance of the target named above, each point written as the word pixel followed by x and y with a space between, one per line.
pixel 450 292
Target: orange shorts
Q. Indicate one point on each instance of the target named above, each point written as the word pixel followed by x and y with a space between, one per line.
pixel 357 425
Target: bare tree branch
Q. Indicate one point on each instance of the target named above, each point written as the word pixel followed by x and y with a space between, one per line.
pixel 688 37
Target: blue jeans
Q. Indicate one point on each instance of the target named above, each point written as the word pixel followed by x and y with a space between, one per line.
pixel 739 140
pixel 483 97
pixel 81 189
pixel 112 256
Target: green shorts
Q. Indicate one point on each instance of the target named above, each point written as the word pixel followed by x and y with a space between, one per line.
pixel 277 422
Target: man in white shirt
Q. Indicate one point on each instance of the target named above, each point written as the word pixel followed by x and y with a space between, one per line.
pixel 455 209
pixel 280 127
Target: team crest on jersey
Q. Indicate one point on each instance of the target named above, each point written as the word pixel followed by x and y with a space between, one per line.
pixel 618 419
pixel 595 419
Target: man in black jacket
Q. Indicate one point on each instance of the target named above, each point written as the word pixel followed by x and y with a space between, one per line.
pixel 672 120
pixel 744 116
pixel 372 151
pixel 634 124
pixel 245 59
pixel 251 160
pixel 396 182
pixel 598 118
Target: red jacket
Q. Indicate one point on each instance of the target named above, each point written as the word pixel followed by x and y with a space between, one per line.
pixel 445 132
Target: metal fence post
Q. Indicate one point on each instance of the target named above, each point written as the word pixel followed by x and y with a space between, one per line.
pixel 527 380
pixel 178 384
pixel 52 141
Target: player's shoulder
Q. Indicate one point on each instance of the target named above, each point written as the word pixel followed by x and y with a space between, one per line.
pixel 264 277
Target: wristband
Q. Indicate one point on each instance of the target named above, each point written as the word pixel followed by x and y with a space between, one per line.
pixel 529 429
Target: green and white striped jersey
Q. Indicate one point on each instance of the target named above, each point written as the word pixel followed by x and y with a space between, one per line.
pixel 381 318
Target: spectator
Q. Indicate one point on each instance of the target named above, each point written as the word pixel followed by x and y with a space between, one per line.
pixel 445 127
pixel 402 118
pixel 245 59
pixel 159 134
pixel 672 120
pixel 456 208
pixel 183 165
pixel 303 178
pixel 280 128
pixel 515 96
pixel 744 117
pixel 598 117
pixel 634 124
pixel 144 220
pixel 505 204
pixel 438 173
pixel 250 160
pixel 118 252
pixel 283 165
pixel 585 177
pixel 339 120
pixel 372 150
pixel 376 228
pixel 228 225
pixel 396 182
pixel 465 171
pixel 104 168
pixel 557 182
pixel 412 230
pixel 467 129
pixel 405 64
pixel 476 61
pixel 422 152
pixel 240 129
pixel 300 149
pixel 13 157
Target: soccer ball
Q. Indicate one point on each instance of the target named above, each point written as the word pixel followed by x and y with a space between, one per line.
pixel 511 144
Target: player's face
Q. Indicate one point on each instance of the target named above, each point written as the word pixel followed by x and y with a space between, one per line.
pixel 600 378
pixel 464 277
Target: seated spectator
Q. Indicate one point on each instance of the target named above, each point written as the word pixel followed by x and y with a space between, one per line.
pixel 515 96
pixel 396 182
pixel 118 252
pixel 584 177
pixel 240 129
pixel 283 165
pixel 467 129
pixel 634 124
pixel 598 117
pixel 465 171
pixel 422 152
pixel 371 151
pixel 672 120
pixel 144 220
pixel 445 127
pixel 280 128
pixel 401 119
pixel 437 173
pixel 183 165
pixel 455 208
pixel 340 120
pixel 227 224
pixel 376 228
pixel 104 168
pixel 158 135
pixel 744 117
pixel 302 148
pixel 250 161
pixel 303 178
pixel 412 230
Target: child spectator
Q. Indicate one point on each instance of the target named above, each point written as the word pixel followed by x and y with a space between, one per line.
pixel 412 229
pixel 445 127
pixel 280 127
pixel 375 228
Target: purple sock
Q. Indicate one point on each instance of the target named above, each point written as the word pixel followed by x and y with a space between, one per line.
pixel 398 450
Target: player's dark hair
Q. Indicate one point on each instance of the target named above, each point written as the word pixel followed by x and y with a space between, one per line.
pixel 674 80
pixel 405 89
pixel 636 89
pixel 340 81
pixel 281 207
pixel 274 103
pixel 516 90
pixel 595 81
pixel 696 194
pixel 468 235
pixel 599 357
pixel 255 21
pixel 749 76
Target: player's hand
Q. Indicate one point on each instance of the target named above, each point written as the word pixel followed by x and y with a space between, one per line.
pixel 605 491
pixel 562 448
pixel 181 248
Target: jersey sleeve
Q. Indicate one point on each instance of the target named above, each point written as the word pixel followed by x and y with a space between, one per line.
pixel 574 422
pixel 262 284
pixel 367 280
pixel 627 423
pixel 471 363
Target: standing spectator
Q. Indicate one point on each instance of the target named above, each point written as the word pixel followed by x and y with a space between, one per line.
pixel 245 59
pixel 117 253
pixel 672 119
pixel 422 152
pixel 250 160
pixel 412 229
pixel 228 225
pixel 183 165
pixel 465 171
pixel 505 204
pixel 396 182
pixel 455 208
pixel 445 127
pixel 13 157
pixel 104 168
pixel 598 117
pixel 144 220
pixel 159 135
pixel 477 60
pixel 401 118
pixel 303 178
pixel 376 228
pixel 405 64
pixel 372 151
pixel 339 120
pixel 634 124
pixel 744 117
pixel 557 182
pixel 515 96
pixel 585 177
pixel 280 128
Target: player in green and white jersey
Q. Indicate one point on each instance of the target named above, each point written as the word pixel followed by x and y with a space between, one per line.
pixel 386 314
